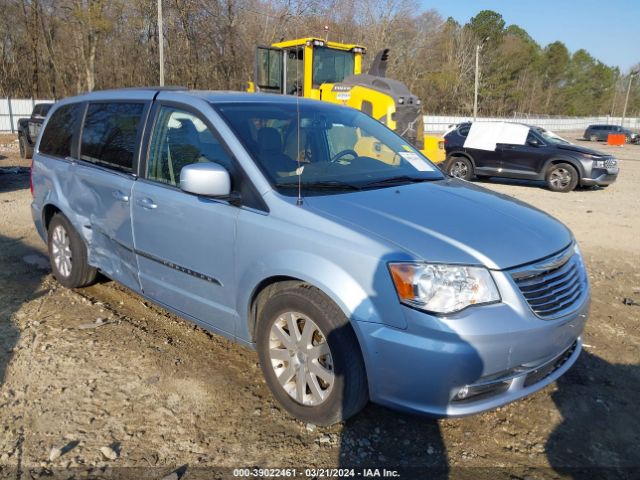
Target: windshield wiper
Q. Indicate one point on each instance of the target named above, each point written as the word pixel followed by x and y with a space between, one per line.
pixel 399 180
pixel 325 185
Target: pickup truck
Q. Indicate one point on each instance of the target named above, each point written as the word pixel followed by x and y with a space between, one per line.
pixel 28 128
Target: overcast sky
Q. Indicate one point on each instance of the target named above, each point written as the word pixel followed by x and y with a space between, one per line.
pixel 608 29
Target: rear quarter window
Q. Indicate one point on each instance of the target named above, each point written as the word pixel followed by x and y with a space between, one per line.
pixel 110 134
pixel 464 131
pixel 58 137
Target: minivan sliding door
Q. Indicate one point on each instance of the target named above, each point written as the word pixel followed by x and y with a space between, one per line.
pixel 102 185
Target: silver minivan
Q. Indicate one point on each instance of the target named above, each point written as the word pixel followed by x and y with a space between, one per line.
pixel 316 235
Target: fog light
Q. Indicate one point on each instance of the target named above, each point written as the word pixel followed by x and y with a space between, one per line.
pixel 464 391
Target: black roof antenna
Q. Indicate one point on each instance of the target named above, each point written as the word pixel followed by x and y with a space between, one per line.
pixel 300 168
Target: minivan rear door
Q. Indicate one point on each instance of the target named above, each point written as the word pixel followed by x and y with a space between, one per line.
pixel 103 181
pixel 185 243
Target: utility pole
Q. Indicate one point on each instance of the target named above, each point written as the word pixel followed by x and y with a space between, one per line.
pixel 475 93
pixel 160 43
pixel 616 85
pixel 626 100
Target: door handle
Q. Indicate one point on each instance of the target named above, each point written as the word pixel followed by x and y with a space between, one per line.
pixel 147 203
pixel 122 197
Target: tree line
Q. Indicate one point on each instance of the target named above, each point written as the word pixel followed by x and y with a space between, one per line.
pixel 57 48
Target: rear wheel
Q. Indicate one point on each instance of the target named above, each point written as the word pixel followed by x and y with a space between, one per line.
pixel 460 167
pixel 68 254
pixel 26 150
pixel 310 356
pixel 561 177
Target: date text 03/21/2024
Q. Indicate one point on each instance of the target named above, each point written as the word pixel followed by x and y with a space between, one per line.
pixel 315 473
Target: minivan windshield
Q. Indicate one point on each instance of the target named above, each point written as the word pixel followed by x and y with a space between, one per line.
pixel 329 148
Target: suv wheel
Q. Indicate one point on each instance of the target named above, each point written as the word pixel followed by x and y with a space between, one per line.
pixel 310 356
pixel 68 254
pixel 26 150
pixel 460 167
pixel 561 177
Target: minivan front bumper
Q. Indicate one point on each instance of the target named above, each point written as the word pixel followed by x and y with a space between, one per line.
pixel 490 356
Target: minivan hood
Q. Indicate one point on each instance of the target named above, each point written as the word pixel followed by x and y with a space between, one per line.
pixel 579 149
pixel 449 221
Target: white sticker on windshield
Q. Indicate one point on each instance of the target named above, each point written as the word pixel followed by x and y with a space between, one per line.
pixel 417 162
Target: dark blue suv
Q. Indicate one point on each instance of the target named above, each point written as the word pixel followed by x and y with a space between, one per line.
pixel 513 150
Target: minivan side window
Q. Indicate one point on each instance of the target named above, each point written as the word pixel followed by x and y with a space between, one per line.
pixel 57 138
pixel 181 138
pixel 109 136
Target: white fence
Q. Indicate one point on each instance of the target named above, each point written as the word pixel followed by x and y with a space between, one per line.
pixel 441 123
pixel 13 109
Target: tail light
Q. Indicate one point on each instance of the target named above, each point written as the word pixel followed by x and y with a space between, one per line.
pixel 31 178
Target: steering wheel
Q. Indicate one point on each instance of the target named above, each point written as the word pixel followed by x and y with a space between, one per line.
pixel 344 153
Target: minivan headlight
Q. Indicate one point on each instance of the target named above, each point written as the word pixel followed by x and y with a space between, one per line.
pixel 441 288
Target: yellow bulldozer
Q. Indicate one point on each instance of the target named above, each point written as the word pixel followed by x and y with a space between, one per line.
pixel 332 72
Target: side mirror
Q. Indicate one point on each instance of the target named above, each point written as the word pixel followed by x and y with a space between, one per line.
pixel 207 179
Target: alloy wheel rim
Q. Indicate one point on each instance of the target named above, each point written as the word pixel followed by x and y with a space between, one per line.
pixel 61 250
pixel 459 170
pixel 560 177
pixel 301 358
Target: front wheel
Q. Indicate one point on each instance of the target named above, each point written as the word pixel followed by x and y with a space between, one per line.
pixel 460 167
pixel 561 177
pixel 68 254
pixel 310 356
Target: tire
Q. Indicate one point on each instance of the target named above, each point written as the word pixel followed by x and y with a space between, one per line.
pixel 26 150
pixel 561 177
pixel 460 167
pixel 70 267
pixel 340 391
pixel 593 138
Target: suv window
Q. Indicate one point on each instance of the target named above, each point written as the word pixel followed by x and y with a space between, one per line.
pixel 464 130
pixel 57 139
pixel 110 133
pixel 532 139
pixel 181 138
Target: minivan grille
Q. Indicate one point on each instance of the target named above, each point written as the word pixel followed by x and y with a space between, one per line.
pixel 553 286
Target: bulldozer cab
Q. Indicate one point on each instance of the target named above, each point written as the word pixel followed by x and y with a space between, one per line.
pixel 332 72
pixel 300 67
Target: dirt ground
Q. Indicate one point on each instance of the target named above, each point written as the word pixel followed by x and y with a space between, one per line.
pixel 98 383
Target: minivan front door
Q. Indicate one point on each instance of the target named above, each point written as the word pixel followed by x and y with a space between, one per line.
pixel 185 244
